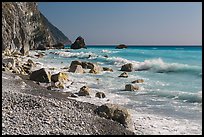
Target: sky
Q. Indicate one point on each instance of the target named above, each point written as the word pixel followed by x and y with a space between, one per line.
pixel 130 23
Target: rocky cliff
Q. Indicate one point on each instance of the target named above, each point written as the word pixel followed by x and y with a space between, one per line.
pixel 24 28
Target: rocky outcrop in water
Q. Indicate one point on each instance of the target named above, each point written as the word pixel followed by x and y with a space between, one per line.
pixel 24 27
pixel 78 44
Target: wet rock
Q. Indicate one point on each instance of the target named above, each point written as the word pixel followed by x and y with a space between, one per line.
pixel 107 69
pixel 84 91
pixel 79 43
pixel 121 46
pixel 130 87
pixel 116 113
pixel 75 62
pixel 96 69
pixel 127 67
pixel 76 69
pixel 61 77
pixel 124 75
pixel 138 81
pixel 87 65
pixel 41 75
pixel 100 95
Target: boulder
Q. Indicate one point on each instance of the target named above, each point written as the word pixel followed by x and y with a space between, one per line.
pixel 79 43
pixel 87 65
pixel 100 95
pixel 84 91
pixel 116 113
pixel 127 67
pixel 124 75
pixel 96 69
pixel 130 87
pixel 121 46
pixel 107 69
pixel 76 69
pixel 75 62
pixel 24 50
pixel 138 81
pixel 41 75
pixel 61 77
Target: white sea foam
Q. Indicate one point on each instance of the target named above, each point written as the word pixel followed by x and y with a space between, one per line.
pixel 75 54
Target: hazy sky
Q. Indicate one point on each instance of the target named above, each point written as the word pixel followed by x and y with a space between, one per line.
pixel 131 23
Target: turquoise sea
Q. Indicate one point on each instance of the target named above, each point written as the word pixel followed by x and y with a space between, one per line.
pixel 172 75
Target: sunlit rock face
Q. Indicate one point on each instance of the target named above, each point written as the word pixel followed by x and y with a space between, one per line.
pixel 25 28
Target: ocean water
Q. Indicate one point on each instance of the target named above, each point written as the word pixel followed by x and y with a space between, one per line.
pixel 172 77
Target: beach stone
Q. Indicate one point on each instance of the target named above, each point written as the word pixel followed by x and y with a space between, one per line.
pixel 138 81
pixel 115 112
pixel 127 67
pixel 76 69
pixel 75 62
pixel 130 87
pixel 107 69
pixel 79 43
pixel 100 95
pixel 41 75
pixel 61 76
pixel 121 46
pixel 59 84
pixel 124 75
pixel 96 69
pixel 84 91
pixel 87 65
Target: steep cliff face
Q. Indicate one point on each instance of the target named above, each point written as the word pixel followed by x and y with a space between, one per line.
pixel 25 28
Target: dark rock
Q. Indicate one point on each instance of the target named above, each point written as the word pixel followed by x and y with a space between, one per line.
pixel 75 62
pixel 130 87
pixel 79 43
pixel 100 95
pixel 84 91
pixel 121 46
pixel 127 67
pixel 87 65
pixel 138 81
pixel 41 75
pixel 107 69
pixel 124 75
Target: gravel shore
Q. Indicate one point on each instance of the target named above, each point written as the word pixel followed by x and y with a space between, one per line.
pixel 29 109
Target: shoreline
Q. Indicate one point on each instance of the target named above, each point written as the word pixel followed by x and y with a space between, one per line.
pixel 144 123
pixel 80 111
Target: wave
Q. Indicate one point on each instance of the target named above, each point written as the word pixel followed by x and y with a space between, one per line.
pixel 158 65
pixel 76 54
pixel 179 95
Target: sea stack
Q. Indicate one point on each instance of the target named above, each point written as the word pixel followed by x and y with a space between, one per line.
pixel 78 44
pixel 121 46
